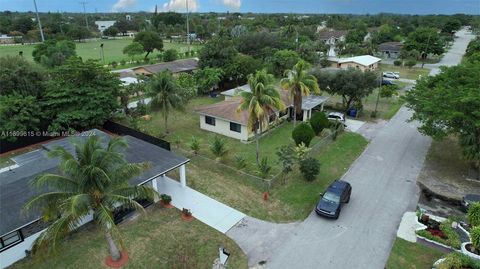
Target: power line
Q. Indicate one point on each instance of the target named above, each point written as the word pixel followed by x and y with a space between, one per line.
pixel 83 3
pixel 39 23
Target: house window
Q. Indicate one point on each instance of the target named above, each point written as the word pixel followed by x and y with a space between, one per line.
pixel 210 120
pixel 10 240
pixel 235 127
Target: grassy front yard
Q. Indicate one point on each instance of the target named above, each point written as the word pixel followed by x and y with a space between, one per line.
pixel 387 107
pixel 159 239
pixel 406 255
pixel 91 49
pixel 405 72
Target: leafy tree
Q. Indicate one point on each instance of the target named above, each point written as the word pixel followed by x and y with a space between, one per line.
pixel 260 103
pixel 111 31
pixel 122 26
pixel 426 41
pixel 217 53
pixel 254 43
pixel 282 60
pixel 53 53
pixel 17 75
pixel 80 96
pixel 299 83
pixel 286 157
pixel 168 18
pixel 356 35
pixel 451 25
pixel 150 41
pixel 206 78
pixel 410 63
pixel 397 62
pixel 23 24
pixel 95 181
pixel 242 66
pixel 474 214
pixel 448 104
pixel 310 168
pixel 239 31
pixel 352 84
pixel 475 235
pixel 170 55
pixel 473 47
pixel 303 133
pixel 19 113
pixel 132 49
pixel 308 52
pixel 166 94
pixel 319 121
pixel 187 83
pixel 78 33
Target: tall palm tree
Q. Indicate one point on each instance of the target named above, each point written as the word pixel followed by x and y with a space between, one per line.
pixel 260 103
pixel 94 180
pixel 166 94
pixel 299 83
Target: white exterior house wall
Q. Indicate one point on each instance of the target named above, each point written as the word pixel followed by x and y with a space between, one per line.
pixel 103 25
pixel 223 127
pixel 17 252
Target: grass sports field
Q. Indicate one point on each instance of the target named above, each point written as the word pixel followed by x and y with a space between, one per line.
pixel 91 49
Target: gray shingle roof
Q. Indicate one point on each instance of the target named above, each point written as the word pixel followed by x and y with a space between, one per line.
pixel 15 189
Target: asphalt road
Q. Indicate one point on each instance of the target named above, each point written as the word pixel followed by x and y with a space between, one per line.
pixel 384 187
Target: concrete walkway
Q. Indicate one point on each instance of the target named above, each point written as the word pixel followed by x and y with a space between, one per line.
pixel 207 210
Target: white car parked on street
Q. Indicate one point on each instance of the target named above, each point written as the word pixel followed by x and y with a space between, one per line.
pixel 394 75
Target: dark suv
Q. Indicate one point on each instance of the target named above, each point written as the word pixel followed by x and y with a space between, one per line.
pixel 332 200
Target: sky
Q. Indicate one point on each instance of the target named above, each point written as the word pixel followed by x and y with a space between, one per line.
pixel 256 6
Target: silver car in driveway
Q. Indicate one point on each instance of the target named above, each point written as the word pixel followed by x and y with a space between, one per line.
pixel 394 75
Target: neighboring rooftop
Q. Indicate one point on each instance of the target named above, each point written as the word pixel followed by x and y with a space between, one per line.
pixel 15 189
pixel 178 66
pixel 364 60
pixel 391 46
pixel 329 33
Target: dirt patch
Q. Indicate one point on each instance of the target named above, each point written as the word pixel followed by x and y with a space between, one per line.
pixel 445 171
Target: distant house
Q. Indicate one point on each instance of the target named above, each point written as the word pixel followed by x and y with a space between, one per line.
pixel 331 36
pixel 178 66
pixel 390 49
pixel 103 25
pixel 223 117
pixel 5 39
pixel 364 62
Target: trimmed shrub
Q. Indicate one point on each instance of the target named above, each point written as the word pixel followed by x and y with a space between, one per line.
pixel 218 148
pixel 456 260
pixel 170 55
pixel 303 133
pixel 410 63
pixel 319 121
pixel 397 62
pixel 194 145
pixel 166 198
pixel 474 214
pixel 475 236
pixel 240 162
pixel 309 167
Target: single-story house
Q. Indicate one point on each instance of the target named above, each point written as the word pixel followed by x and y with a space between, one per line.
pixel 128 80
pixel 178 66
pixel 103 25
pixel 223 117
pixel 331 36
pixel 390 49
pixel 19 229
pixel 364 62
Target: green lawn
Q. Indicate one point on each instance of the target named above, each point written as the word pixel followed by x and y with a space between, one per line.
pixel 387 107
pixel 406 255
pixel 183 125
pixel 405 72
pixel 159 239
pixel 91 49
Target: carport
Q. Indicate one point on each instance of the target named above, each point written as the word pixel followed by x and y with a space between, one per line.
pixel 310 103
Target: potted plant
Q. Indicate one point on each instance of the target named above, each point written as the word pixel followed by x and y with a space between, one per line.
pixel 187 215
pixel 165 200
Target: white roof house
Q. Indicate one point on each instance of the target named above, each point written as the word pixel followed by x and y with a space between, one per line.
pixel 363 62
pixel 128 80
pixel 102 25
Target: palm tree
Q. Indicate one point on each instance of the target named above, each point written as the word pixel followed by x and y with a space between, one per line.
pixel 93 181
pixel 166 94
pixel 298 82
pixel 260 102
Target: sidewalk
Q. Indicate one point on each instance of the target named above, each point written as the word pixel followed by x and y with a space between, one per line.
pixel 207 210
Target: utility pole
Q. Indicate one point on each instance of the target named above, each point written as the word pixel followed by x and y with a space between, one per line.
pixel 39 23
pixel 425 52
pixel 188 29
pixel 83 3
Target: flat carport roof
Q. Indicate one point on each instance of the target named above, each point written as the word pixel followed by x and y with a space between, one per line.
pixel 15 188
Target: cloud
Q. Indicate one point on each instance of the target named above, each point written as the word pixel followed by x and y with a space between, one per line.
pixel 121 5
pixel 235 4
pixel 180 5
